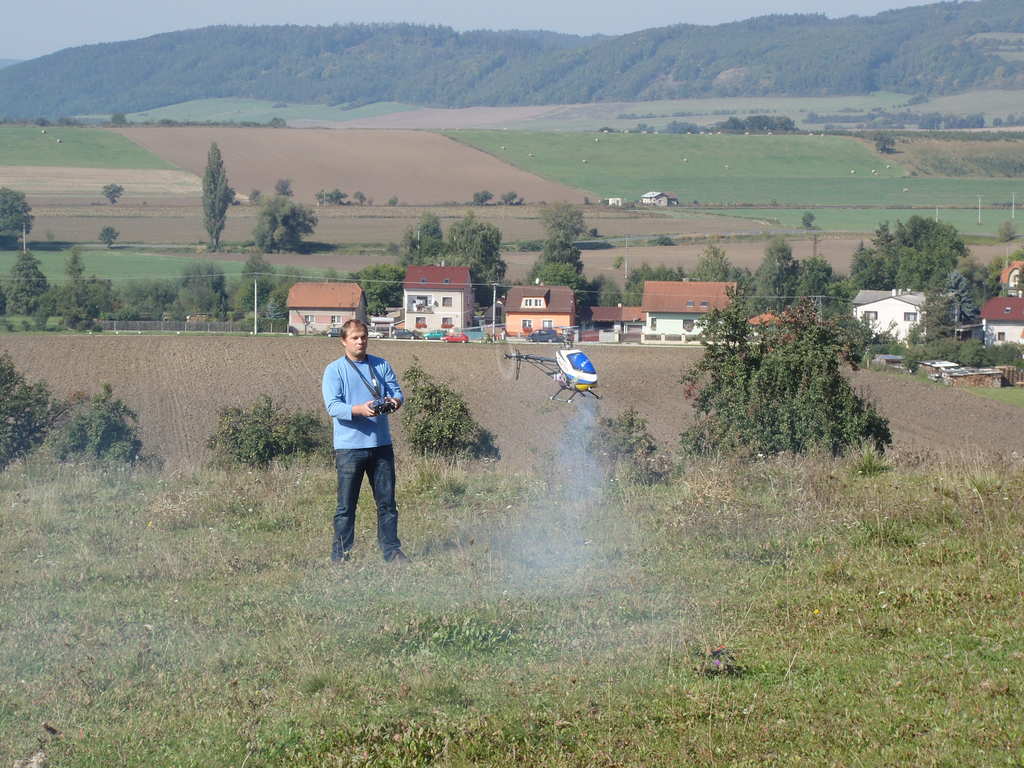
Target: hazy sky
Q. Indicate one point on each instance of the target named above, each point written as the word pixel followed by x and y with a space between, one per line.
pixel 43 26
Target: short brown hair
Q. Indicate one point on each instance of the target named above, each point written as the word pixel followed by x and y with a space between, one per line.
pixel 348 325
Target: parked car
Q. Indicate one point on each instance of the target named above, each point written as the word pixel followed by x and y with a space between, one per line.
pixel 334 332
pixel 545 334
pixel 405 333
pixel 435 335
pixel 373 334
pixel 457 337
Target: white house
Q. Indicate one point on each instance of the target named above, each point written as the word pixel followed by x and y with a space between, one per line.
pixel 1002 320
pixel 437 298
pixel 674 310
pixel 895 311
pixel 660 199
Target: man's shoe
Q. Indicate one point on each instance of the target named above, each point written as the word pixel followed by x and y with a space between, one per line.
pixel 339 559
pixel 398 556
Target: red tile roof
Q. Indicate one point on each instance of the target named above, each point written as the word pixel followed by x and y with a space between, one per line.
pixel 1013 266
pixel 325 296
pixel 765 318
pixel 1007 309
pixel 616 314
pixel 424 277
pixel 684 296
pixel 558 299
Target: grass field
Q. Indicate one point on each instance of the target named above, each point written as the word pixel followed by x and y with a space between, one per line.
pixel 78 148
pixel 261 111
pixel 788 170
pixel 119 263
pixel 1011 395
pixel 868 219
pixel 544 621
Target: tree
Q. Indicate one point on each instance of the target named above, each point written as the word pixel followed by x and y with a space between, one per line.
pixel 1007 231
pixel 283 188
pixel 259 271
pixel 26 412
pixel 382 286
pixel 423 243
pixel 776 278
pixel 393 201
pixel 26 285
pixel 15 213
pixel 885 143
pixel 482 197
pixel 714 267
pixel 563 223
pixel 81 299
pixel 203 290
pixel 777 388
pixel 815 275
pixel 511 198
pixel 106 430
pixel 807 220
pixel 113 192
pixel 359 197
pixel 871 270
pixel 217 196
pixel 263 433
pixel 476 244
pixel 254 196
pixel 108 235
pixel 282 223
pixel 118 118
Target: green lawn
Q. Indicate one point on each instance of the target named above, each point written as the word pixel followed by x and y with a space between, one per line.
pixel 159 620
pixel 261 111
pixel 79 148
pixel 789 170
pixel 868 219
pixel 1010 395
pixel 120 263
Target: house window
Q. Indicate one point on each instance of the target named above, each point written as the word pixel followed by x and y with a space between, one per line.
pixel 423 279
pixel 335 319
pixel 910 317
pixel 533 302
pixel 704 304
pixel 1006 310
pixel 688 325
pixel 654 323
pixel 446 301
pixel 446 280
pixel 527 325
pixel 869 315
pixel 689 303
pixel 446 322
pixel 421 322
pixel 1001 336
pixel 549 323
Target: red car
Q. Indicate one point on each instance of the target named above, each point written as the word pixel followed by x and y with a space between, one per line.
pixel 458 337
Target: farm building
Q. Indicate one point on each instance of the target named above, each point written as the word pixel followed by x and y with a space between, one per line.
pixel 615 202
pixel 674 310
pixel 1002 320
pixel 437 298
pixel 318 307
pixel 660 199
pixel 1012 279
pixel 529 308
pixel 895 311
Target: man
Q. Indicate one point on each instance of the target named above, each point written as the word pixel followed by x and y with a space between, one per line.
pixel 359 390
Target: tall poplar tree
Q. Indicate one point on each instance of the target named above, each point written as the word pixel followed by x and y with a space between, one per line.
pixel 217 196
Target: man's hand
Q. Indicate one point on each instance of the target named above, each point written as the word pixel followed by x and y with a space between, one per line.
pixel 396 401
pixel 363 409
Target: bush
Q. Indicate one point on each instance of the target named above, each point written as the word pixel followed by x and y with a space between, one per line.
pixel 256 436
pixel 775 389
pixel 26 413
pixel 106 429
pixel 625 445
pixel 437 421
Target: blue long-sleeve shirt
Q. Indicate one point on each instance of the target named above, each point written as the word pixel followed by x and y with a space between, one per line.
pixel 342 389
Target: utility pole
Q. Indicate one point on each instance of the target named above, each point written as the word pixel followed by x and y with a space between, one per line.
pixel 1013 205
pixel 24 238
pixel 979 209
pixel 494 308
pixel 255 308
pixel 625 262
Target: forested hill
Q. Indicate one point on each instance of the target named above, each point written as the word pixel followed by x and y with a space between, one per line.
pixel 8 62
pixel 932 49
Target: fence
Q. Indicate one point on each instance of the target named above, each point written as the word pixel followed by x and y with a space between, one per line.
pixel 212 326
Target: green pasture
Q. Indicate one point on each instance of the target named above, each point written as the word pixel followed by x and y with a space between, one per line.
pixel 792 170
pixel 991 103
pixel 1010 395
pixel 79 148
pixel 868 219
pixel 261 111
pixel 125 263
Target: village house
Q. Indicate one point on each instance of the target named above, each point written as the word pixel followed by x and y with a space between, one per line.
pixel 437 298
pixel 529 308
pixel 660 199
pixel 895 312
pixel 674 310
pixel 1012 279
pixel 1002 320
pixel 318 307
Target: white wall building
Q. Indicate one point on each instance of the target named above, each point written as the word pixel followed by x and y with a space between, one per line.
pixel 895 312
pixel 437 298
pixel 1003 320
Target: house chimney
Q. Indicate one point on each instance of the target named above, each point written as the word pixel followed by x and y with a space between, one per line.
pixel 895 291
pixel 620 305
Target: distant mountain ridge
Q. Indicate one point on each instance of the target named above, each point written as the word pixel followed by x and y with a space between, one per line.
pixel 8 62
pixel 933 49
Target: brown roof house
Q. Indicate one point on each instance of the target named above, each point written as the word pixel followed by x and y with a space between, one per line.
pixel 318 307
pixel 1002 320
pixel 529 308
pixel 1012 278
pixel 673 310
pixel 437 298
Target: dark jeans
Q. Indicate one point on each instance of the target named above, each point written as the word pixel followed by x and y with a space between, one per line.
pixel 379 466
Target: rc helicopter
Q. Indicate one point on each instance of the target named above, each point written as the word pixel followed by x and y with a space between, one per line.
pixel 571 369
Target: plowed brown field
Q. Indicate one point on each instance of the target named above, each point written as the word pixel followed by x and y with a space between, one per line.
pixel 418 167
pixel 178 383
